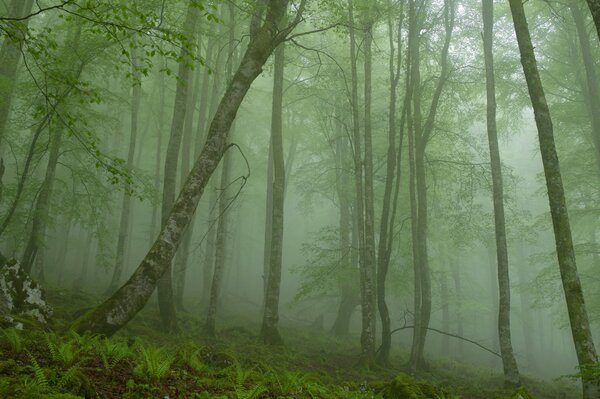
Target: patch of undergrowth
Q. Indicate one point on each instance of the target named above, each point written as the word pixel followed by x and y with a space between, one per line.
pixel 141 362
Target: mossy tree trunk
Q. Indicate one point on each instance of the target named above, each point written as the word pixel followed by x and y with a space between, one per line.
pixel 578 317
pixel 116 311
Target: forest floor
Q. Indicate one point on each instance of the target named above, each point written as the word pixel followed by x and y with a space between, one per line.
pixel 140 362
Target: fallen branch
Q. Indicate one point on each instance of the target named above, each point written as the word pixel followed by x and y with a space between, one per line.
pixel 451 335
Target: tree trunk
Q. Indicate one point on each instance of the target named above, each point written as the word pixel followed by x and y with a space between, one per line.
pixel 386 240
pixel 42 205
pixel 595 9
pixel 115 312
pixel 166 303
pixel 161 123
pixel 511 372
pixel 580 326
pixel 458 297
pixel 181 260
pixel 10 54
pixel 269 331
pixel 124 224
pixel 268 221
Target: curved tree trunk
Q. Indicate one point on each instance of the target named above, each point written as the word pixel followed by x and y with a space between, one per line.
pixel 580 325
pixel 511 372
pixel 115 312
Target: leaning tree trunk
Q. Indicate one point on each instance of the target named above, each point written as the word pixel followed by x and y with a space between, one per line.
pixel 580 325
pixel 269 331
pixel 10 54
pixel 511 372
pixel 115 312
pixel 595 9
pixel 136 97
pixel 166 303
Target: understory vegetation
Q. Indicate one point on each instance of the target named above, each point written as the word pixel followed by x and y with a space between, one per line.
pixel 139 362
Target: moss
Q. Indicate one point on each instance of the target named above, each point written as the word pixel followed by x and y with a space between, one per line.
pixel 404 387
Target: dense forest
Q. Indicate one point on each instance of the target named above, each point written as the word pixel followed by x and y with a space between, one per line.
pixel 300 199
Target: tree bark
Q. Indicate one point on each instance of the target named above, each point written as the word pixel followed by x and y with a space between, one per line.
pixel 269 331
pixel 124 224
pixel 511 372
pixel 115 312
pixel 580 326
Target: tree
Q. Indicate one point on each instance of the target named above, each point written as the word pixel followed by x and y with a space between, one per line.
pixel 116 311
pixel 580 326
pixel 511 372
pixel 269 330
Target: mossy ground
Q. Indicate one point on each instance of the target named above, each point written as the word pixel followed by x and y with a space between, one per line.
pixel 140 362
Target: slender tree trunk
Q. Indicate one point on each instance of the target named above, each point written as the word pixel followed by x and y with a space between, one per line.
pixel 166 303
pixel 445 298
pixel 269 331
pixel 595 10
pixel 385 240
pixel 458 297
pixel 161 123
pixel 10 54
pixel 511 372
pixel 580 326
pixel 181 260
pixel 220 250
pixel 348 300
pixel 42 205
pixel 268 221
pixel 224 203
pixel 124 224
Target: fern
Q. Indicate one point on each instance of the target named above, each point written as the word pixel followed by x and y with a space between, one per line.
pixel 112 352
pixel 154 363
pixel 67 377
pixel 63 352
pixel 14 339
pixel 40 380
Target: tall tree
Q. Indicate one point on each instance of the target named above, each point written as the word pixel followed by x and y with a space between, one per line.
pixel 580 326
pixel 124 224
pixel 511 372
pixel 166 303
pixel 269 331
pixel 116 311
pixel 386 227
